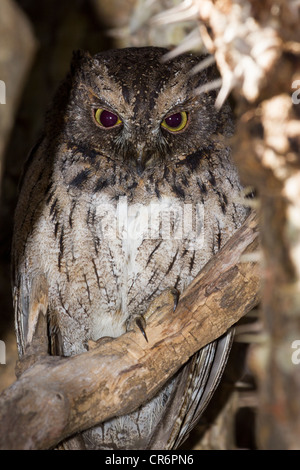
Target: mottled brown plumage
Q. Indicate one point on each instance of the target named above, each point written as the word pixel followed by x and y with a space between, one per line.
pixel 90 219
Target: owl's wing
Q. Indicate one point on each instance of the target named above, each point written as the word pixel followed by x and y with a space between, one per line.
pixel 202 391
pixel 30 296
pixel 21 314
pixel 31 308
pixel 195 387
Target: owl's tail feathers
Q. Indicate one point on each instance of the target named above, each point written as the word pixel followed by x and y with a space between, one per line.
pixel 194 388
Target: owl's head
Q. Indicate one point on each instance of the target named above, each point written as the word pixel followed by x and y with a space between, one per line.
pixel 130 107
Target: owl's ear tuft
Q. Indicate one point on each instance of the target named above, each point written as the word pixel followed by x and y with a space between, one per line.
pixel 79 58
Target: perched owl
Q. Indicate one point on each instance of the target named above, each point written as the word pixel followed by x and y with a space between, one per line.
pixel 129 191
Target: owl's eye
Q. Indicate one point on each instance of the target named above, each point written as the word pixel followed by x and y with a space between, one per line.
pixel 175 122
pixel 107 119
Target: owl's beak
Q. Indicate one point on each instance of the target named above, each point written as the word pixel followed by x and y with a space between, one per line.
pixel 140 166
pixel 140 157
pixel 140 161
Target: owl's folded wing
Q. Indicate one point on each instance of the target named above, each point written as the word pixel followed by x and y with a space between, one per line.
pixel 195 387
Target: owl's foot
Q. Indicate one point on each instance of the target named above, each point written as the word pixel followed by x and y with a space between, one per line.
pixel 91 344
pixel 168 297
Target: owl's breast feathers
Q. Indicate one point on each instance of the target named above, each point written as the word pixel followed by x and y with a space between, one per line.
pixel 109 249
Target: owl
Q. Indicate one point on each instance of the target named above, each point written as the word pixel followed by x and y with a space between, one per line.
pixel 129 191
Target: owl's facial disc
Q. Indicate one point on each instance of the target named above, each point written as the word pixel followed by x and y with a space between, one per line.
pixel 147 151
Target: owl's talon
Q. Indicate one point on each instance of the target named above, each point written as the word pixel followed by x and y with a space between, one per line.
pixel 169 296
pixel 91 344
pixel 176 294
pixel 141 323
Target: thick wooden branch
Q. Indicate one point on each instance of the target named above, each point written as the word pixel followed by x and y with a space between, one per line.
pixel 57 397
